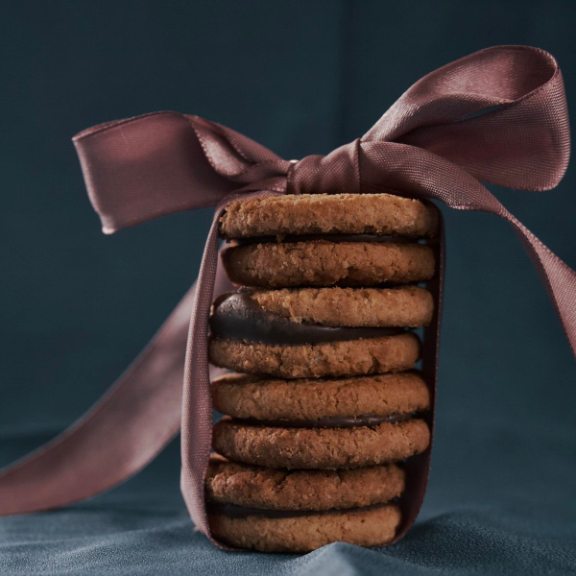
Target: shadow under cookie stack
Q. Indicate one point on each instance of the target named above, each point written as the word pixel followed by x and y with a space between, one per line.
pixel 325 402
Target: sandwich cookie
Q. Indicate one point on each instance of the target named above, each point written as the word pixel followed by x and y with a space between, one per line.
pixel 317 333
pixel 326 240
pixel 297 511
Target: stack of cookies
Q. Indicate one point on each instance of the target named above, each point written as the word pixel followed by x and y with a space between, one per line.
pixel 325 402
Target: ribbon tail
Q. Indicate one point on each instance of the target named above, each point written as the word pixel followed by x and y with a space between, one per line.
pixel 116 438
pixel 196 441
pixel 559 278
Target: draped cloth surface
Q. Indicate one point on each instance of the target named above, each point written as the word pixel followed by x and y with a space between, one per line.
pixel 497 116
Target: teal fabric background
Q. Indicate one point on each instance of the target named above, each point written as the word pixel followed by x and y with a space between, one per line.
pixel 300 77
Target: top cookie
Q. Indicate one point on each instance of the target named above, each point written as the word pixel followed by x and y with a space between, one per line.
pixel 381 214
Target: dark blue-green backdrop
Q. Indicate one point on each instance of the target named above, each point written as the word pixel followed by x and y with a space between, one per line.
pixel 300 77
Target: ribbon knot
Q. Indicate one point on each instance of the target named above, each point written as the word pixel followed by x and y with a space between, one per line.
pixel 336 173
pixel 498 115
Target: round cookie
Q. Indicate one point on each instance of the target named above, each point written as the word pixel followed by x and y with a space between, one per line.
pixel 308 400
pixel 313 490
pixel 326 263
pixel 407 306
pixel 320 448
pixel 381 214
pixel 302 533
pixel 345 358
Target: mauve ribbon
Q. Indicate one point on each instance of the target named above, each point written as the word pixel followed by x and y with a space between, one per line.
pixel 498 115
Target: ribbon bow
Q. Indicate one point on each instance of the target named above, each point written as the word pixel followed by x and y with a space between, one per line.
pixel 498 115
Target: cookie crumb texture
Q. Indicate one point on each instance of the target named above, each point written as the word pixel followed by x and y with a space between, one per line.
pixel 407 307
pixel 322 263
pixel 372 527
pixel 320 448
pixel 257 398
pixel 313 490
pixel 346 358
pixel 317 428
pixel 340 214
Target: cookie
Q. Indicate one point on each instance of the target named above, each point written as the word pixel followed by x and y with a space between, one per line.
pixel 408 306
pixel 320 448
pixel 329 359
pixel 309 400
pixel 328 214
pixel 287 317
pixel 312 490
pixel 374 526
pixel 328 263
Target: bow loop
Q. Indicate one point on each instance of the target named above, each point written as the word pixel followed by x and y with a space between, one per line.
pixel 233 155
pixel 499 113
pixel 335 173
pixel 148 166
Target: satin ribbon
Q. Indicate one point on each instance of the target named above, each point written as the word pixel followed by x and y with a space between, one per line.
pixel 498 115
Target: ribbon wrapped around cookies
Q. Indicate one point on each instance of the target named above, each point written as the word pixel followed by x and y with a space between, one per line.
pixel 497 116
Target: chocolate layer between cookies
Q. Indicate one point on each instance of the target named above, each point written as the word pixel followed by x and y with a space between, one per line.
pixel 238 316
pixel 318 314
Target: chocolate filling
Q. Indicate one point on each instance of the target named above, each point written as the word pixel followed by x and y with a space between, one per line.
pixel 329 422
pixel 236 511
pixel 238 317
pixel 292 238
